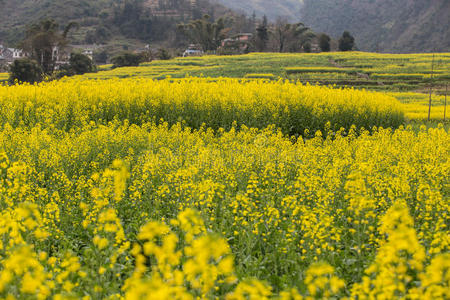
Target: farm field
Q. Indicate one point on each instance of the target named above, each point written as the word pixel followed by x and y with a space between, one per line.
pixel 238 187
pixel 399 74
pixel 394 72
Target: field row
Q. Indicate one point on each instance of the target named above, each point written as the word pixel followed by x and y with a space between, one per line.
pixel 219 103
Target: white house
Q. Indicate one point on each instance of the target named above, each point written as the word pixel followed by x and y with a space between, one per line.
pixel 89 53
pixel 8 55
pixel 2 58
pixel 87 50
pixel 17 53
pixel 193 50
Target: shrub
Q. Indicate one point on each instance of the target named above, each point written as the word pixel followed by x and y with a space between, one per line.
pixel 324 42
pixel 25 70
pixel 346 42
pixel 81 63
pixel 126 59
pixel 101 57
pixel 163 54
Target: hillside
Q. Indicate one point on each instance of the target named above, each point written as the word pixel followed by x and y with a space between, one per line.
pixel 378 25
pixel 388 26
pixel 272 9
pixel 116 22
pixel 14 15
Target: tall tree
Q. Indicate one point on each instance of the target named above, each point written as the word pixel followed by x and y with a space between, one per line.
pixel 262 35
pixel 44 40
pixel 324 42
pixel 291 37
pixel 346 42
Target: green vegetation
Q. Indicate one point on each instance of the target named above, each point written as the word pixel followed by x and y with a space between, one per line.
pixel 42 38
pixel 204 32
pixel 25 70
pixel 126 59
pixel 381 72
pixel 346 42
pixel 117 24
pixel 297 70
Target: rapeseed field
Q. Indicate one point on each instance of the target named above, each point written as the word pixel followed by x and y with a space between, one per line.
pixel 215 103
pixel 219 189
pixel 397 74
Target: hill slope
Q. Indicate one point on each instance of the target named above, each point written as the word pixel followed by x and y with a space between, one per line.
pixel 272 9
pixel 113 20
pixel 378 25
pixel 14 15
pixel 389 26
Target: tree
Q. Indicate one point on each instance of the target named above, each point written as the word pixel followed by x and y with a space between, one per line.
pixel 126 59
pixel 163 54
pixel 262 35
pixel 43 39
pixel 291 37
pixel 346 42
pixel 205 33
pixel 324 42
pixel 25 70
pixel 101 57
pixel 81 63
pixel 307 47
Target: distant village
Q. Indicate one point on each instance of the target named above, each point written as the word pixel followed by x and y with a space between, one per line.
pixel 60 57
pixel 240 43
pixel 237 44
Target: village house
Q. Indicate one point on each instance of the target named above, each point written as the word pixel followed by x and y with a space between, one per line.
pixel 2 58
pixel 8 55
pixel 87 50
pixel 238 38
pixel 238 43
pixel 193 50
pixel 59 56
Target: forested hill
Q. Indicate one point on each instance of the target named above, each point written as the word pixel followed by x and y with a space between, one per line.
pixel 105 21
pixel 289 9
pixel 384 25
pixel 15 15
pixel 378 25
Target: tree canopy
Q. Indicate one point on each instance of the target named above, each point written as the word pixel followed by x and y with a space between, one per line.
pixel 44 40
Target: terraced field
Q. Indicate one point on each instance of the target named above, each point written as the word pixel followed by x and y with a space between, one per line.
pixel 392 72
pixel 406 77
pixel 4 77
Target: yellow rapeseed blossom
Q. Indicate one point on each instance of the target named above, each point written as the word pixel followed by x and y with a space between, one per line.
pixel 193 189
